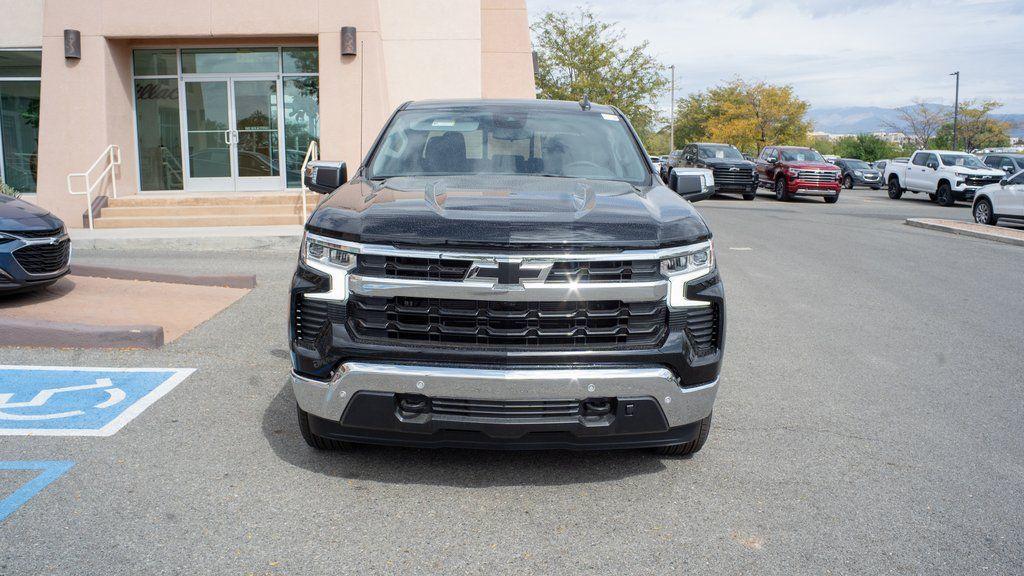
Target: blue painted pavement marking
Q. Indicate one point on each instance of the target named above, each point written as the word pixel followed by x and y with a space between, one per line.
pixel 73 401
pixel 50 472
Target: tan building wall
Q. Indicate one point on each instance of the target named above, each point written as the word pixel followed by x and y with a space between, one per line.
pixel 21 23
pixel 409 50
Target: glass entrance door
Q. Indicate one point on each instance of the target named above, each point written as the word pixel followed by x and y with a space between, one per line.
pixel 233 134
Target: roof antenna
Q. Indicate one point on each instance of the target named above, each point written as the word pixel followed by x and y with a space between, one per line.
pixel 585 103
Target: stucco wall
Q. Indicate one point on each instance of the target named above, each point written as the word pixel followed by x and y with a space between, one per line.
pixel 409 50
pixel 21 23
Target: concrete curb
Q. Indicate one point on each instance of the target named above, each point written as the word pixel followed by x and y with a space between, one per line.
pixel 964 229
pixel 40 333
pixel 228 281
pixel 289 243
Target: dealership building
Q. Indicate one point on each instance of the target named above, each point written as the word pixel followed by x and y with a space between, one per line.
pixel 202 112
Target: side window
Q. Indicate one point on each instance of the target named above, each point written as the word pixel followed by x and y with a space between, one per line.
pixel 993 161
pixel 920 159
pixel 1007 164
pixel 1017 180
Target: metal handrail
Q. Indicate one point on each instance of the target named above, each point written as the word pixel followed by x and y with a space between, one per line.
pixel 312 155
pixel 112 155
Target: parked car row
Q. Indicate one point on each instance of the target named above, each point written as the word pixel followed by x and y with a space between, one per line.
pixel 944 175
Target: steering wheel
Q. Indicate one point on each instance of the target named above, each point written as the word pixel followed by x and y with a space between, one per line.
pixel 600 169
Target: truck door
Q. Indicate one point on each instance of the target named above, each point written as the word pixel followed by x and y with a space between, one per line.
pixel 763 167
pixel 919 173
pixel 1015 195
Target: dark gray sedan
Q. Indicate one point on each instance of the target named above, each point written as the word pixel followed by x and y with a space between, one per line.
pixel 35 250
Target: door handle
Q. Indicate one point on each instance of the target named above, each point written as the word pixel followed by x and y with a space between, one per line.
pixel 227 137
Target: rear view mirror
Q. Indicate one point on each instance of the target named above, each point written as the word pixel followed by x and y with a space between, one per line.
pixel 693 187
pixel 933 165
pixel 325 177
pixel 772 160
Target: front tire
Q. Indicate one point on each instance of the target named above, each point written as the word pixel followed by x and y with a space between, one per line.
pixel 895 192
pixel 750 196
pixel 984 214
pixel 691 447
pixel 848 183
pixel 781 193
pixel 314 441
pixel 832 199
pixel 944 195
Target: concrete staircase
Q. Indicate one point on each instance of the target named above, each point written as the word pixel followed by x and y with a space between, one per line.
pixel 238 209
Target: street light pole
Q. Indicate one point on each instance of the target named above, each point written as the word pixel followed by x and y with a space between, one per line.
pixel 956 107
pixel 672 113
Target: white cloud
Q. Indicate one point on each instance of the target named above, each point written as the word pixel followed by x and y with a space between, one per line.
pixel 834 52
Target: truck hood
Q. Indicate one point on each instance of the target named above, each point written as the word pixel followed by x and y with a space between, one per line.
pixel 20 216
pixel 810 166
pixel 508 211
pixel 976 171
pixel 727 163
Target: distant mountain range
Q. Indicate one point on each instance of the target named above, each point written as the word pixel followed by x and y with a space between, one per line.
pixel 859 119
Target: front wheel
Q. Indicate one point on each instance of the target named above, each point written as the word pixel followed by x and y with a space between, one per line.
pixel 895 192
pixel 750 196
pixel 983 213
pixel 848 183
pixel 691 447
pixel 944 195
pixel 780 190
pixel 832 199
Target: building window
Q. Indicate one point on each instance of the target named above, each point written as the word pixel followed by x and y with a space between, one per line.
pixel 19 118
pixel 159 129
pixel 229 60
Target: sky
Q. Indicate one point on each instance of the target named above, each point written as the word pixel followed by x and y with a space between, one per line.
pixel 836 53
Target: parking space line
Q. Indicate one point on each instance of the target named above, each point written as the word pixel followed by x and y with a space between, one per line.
pixel 51 470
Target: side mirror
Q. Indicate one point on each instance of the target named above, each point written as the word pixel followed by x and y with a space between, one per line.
pixel 933 165
pixel 691 186
pixel 325 177
pixel 1004 181
pixel 773 160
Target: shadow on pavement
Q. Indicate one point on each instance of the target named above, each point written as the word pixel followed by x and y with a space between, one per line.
pixel 453 468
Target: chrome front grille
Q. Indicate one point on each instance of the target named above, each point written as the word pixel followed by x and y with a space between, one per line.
pixel 733 178
pixel 457 270
pixel 817 176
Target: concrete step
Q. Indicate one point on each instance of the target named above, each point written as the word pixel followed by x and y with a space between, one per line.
pixel 204 210
pixel 210 200
pixel 197 221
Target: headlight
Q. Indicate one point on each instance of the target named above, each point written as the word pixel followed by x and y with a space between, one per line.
pixel 685 268
pixel 858 173
pixel 332 259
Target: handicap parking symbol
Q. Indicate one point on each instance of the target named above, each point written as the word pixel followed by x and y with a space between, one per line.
pixel 72 401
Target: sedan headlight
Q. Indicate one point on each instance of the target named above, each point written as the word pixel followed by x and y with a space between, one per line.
pixel 335 260
pixel 858 173
pixel 687 267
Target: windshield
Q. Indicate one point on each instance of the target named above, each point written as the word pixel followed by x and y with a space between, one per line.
pixel 570 144
pixel 858 164
pixel 721 152
pixel 965 160
pixel 807 155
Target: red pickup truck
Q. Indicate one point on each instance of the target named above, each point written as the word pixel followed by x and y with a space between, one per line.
pixel 792 171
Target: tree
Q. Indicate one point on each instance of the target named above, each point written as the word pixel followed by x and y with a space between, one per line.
pixel 748 116
pixel 919 121
pixel 976 128
pixel 579 54
pixel 867 147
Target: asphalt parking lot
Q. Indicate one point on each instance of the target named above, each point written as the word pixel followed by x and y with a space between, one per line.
pixel 869 422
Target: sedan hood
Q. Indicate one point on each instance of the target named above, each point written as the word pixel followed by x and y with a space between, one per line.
pixel 508 211
pixel 20 216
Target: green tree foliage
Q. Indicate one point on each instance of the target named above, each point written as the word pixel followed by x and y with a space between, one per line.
pixel 746 115
pixel 976 128
pixel 867 147
pixel 579 54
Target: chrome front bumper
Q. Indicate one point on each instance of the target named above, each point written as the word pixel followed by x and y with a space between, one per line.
pixel 328 399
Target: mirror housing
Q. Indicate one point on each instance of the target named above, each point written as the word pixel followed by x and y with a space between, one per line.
pixel 933 165
pixel 325 177
pixel 691 185
pixel 773 160
pixel 1004 181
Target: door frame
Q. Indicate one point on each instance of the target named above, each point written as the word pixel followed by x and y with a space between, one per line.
pixel 233 182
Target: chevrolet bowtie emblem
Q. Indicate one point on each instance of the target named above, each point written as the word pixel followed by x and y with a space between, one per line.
pixel 508 272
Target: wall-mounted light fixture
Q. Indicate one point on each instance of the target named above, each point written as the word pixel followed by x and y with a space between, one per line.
pixel 348 41
pixel 73 44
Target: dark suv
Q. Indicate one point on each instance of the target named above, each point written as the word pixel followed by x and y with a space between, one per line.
pixel 506 274
pixel 675 160
pixel 859 173
pixel 793 170
pixel 732 172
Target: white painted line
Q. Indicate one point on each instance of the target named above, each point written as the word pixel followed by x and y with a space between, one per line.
pixel 741 248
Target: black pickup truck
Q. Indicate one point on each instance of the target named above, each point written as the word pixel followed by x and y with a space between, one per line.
pixel 505 274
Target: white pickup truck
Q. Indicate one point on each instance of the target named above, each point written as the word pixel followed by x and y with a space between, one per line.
pixel 946 176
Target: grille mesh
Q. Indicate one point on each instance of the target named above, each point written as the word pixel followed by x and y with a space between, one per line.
pixel 505 408
pixel 44 258
pixel 563 325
